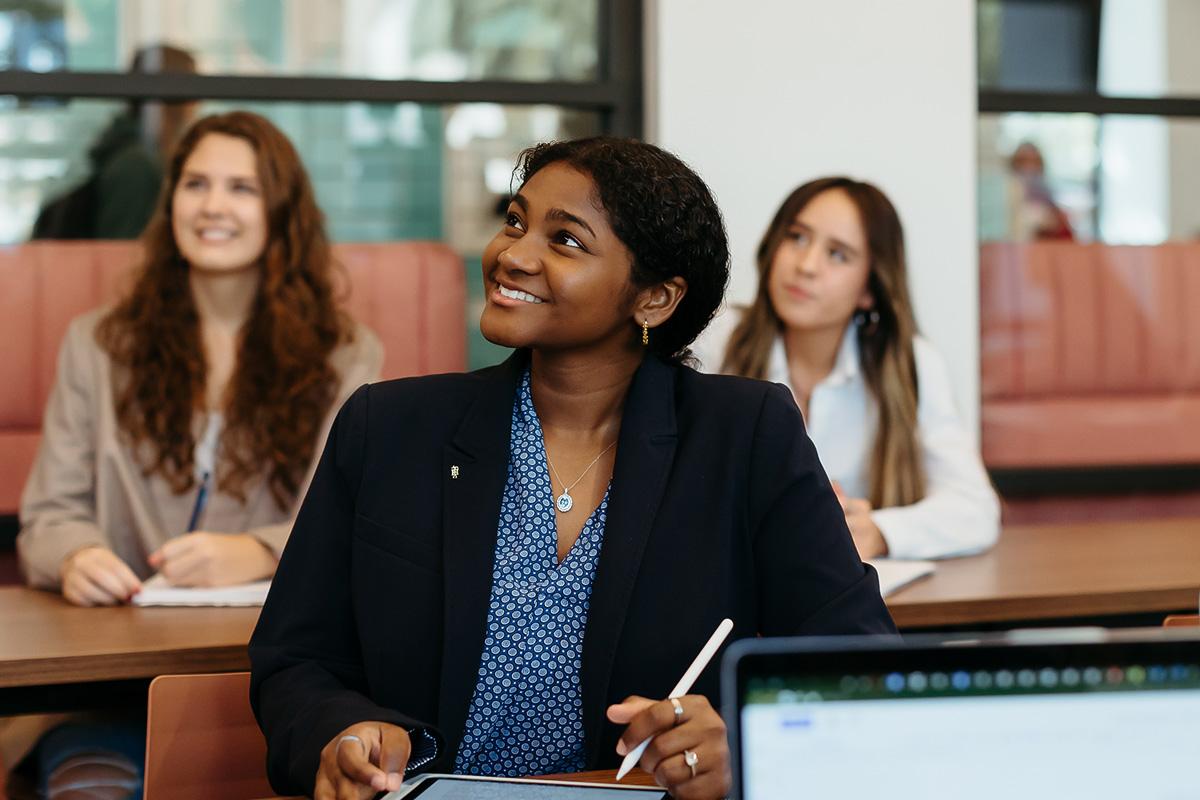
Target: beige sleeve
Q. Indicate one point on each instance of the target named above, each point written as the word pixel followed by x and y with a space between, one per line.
pixel 58 505
pixel 358 362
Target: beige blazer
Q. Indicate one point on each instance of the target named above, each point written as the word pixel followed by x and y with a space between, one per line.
pixel 86 488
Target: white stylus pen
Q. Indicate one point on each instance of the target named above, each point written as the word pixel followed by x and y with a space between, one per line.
pixel 685 684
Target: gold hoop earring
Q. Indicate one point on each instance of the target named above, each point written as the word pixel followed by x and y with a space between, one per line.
pixel 645 333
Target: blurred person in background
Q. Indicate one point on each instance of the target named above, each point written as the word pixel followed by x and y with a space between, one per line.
pixel 1033 214
pixel 126 161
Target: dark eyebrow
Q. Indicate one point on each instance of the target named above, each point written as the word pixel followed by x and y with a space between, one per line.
pixel 839 243
pixel 562 215
pixel 191 173
pixel 836 241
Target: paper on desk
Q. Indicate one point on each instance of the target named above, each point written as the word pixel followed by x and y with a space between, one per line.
pixel 157 592
pixel 894 574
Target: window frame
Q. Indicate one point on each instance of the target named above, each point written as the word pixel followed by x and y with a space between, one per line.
pixel 616 93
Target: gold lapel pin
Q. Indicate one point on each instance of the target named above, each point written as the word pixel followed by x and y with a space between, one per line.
pixel 454 472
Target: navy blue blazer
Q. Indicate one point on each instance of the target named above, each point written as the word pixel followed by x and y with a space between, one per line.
pixel 718 508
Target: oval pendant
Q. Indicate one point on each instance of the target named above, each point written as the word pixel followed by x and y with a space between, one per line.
pixel 564 502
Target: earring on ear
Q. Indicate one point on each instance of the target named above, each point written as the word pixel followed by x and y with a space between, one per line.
pixel 866 319
pixel 645 333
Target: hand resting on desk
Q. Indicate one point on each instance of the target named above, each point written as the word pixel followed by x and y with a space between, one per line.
pixel 358 769
pixel 96 576
pixel 700 730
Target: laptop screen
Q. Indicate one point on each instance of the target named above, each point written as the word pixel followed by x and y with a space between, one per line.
pixel 1117 718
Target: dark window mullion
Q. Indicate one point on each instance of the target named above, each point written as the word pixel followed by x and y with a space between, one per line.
pixel 991 101
pixel 602 95
pixel 621 46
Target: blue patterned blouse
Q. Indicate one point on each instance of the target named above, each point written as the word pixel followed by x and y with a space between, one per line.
pixel 526 714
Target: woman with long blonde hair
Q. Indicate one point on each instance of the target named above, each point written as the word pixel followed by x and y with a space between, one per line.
pixel 833 320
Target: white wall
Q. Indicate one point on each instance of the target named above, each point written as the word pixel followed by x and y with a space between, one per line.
pixel 761 95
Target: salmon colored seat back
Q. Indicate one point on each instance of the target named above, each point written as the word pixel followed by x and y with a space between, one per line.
pixel 412 294
pixel 202 741
pixel 1089 354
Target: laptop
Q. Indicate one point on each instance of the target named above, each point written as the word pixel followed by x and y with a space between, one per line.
pixel 1029 715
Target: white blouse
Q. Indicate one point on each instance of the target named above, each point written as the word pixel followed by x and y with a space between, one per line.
pixel 960 513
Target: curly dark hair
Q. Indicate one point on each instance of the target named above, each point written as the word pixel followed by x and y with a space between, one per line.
pixel 663 213
pixel 283 384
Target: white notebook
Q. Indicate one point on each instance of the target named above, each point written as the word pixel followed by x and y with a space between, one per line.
pixel 157 592
pixel 895 574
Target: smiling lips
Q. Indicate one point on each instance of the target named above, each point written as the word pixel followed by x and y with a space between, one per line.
pixel 215 234
pixel 517 294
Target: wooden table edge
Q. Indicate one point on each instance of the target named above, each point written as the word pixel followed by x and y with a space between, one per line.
pixel 1037 607
pixel 54 671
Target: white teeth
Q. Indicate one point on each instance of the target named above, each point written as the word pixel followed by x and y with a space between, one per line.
pixel 216 235
pixel 517 294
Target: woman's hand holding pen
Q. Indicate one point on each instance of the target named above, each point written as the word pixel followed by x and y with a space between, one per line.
pixel 96 576
pixel 689 754
pixel 213 559
pixel 361 761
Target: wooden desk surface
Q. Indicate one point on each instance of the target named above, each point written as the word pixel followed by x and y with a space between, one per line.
pixel 46 641
pixel 1034 572
pixel 1054 571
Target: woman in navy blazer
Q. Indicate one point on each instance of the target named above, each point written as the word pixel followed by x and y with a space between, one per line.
pixel 376 649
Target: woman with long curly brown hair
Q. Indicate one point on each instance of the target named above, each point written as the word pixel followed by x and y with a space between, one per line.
pixel 186 420
pixel 832 319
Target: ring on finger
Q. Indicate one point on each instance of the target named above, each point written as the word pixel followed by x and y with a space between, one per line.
pixel 346 738
pixel 678 706
pixel 691 759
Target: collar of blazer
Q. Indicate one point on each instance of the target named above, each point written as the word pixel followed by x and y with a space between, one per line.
pixel 645 452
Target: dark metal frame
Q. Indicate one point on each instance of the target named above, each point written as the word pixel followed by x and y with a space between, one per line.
pixel 994 101
pixel 616 93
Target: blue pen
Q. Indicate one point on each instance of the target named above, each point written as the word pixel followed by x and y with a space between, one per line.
pixel 201 500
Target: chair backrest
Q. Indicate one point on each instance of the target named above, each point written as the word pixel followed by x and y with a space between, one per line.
pixel 1065 319
pixel 1182 621
pixel 412 294
pixel 202 741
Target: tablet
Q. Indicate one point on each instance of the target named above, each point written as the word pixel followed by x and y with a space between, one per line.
pixel 470 787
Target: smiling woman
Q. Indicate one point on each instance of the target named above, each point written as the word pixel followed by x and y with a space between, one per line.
pixel 220 369
pixel 491 569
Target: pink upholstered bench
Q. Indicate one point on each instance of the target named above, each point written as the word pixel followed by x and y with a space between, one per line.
pixel 1090 355
pixel 412 294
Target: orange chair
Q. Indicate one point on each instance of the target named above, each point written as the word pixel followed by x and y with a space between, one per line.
pixel 1182 621
pixel 202 741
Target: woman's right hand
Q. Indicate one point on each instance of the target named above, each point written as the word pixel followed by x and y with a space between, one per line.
pixel 96 576
pixel 361 761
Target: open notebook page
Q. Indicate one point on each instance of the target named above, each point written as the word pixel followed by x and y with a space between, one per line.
pixel 895 574
pixel 157 592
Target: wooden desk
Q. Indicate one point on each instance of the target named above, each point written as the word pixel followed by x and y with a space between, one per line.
pixel 1038 572
pixel 50 650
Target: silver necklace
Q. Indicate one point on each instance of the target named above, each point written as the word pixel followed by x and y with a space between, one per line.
pixel 564 502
